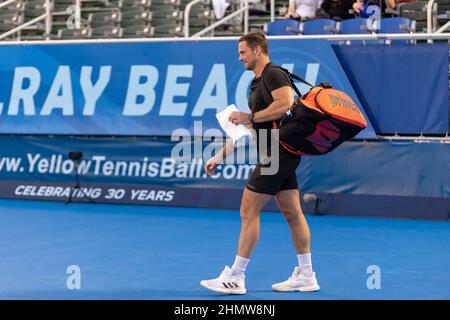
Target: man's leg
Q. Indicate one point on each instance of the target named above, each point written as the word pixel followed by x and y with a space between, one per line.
pixel 303 278
pixel 289 203
pixel 251 206
pixel 231 280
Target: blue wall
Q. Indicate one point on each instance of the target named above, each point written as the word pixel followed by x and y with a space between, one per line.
pixel 403 88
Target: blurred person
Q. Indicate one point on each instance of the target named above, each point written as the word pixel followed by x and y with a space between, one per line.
pixel 302 9
pixel 360 6
pixel 336 9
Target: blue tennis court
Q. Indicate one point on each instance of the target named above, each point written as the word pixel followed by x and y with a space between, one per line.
pixel 148 252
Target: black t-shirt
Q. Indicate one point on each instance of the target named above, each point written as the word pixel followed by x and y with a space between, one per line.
pixel 338 8
pixel 272 78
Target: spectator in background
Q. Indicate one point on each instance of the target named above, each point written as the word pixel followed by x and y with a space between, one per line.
pixel 336 9
pixel 302 9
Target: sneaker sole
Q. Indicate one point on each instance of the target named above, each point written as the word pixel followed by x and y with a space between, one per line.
pixel 223 290
pixel 304 289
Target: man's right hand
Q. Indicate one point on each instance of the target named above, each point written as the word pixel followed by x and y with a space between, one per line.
pixel 210 166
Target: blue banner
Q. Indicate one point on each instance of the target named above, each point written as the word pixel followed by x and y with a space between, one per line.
pixel 404 179
pixel 148 161
pixel 142 88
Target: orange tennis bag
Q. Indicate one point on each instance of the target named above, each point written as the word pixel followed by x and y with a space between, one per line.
pixel 319 121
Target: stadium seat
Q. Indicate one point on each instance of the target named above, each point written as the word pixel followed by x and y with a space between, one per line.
pixel 58 5
pixel 133 17
pixel 174 3
pixel 88 6
pixel 199 19
pixel 443 12
pixel 9 21
pixel 201 12
pixel 396 25
pixel 138 31
pixel 416 11
pixel 73 34
pixel 167 4
pixel 443 6
pixel 354 26
pixel 105 18
pixel 33 9
pixel 132 4
pixel 318 26
pixel 168 30
pixel 167 16
pixel 16 7
pixel 283 27
pixel 182 3
pixel 105 32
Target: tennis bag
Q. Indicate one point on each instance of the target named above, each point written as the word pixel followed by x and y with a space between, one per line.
pixel 319 121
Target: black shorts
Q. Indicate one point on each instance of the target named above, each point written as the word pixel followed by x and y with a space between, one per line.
pixel 284 179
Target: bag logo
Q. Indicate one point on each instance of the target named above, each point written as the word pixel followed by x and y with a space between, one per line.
pixel 337 101
pixel 324 136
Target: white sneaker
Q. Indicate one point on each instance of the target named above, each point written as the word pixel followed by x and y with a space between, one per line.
pixel 298 282
pixel 227 282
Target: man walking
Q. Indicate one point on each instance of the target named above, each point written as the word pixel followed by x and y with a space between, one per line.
pixel 270 97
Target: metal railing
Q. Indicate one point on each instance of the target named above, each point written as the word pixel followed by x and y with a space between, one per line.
pixel 396 36
pixel 6 3
pixel 187 11
pixel 47 16
pixel 376 36
pixel 77 14
pixel 272 10
pixel 430 16
pixel 443 28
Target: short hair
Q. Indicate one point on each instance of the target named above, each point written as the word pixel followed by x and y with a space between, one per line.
pixel 254 39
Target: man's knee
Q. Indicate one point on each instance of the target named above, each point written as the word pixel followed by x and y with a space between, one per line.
pixel 249 213
pixel 252 204
pixel 291 215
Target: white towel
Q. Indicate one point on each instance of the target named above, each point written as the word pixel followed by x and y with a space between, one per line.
pixel 238 133
pixel 220 6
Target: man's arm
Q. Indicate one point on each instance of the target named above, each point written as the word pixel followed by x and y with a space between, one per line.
pixel 390 4
pixel 229 146
pixel 283 99
pixel 212 163
pixel 291 10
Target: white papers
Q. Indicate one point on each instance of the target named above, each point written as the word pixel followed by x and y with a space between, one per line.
pixel 238 133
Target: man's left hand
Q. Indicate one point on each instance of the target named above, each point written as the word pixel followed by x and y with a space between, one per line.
pixel 237 117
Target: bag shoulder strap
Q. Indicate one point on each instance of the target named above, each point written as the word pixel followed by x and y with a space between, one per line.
pixel 294 76
pixel 291 79
pixel 324 85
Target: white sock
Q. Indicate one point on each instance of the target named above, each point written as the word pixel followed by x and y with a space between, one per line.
pixel 304 263
pixel 240 264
